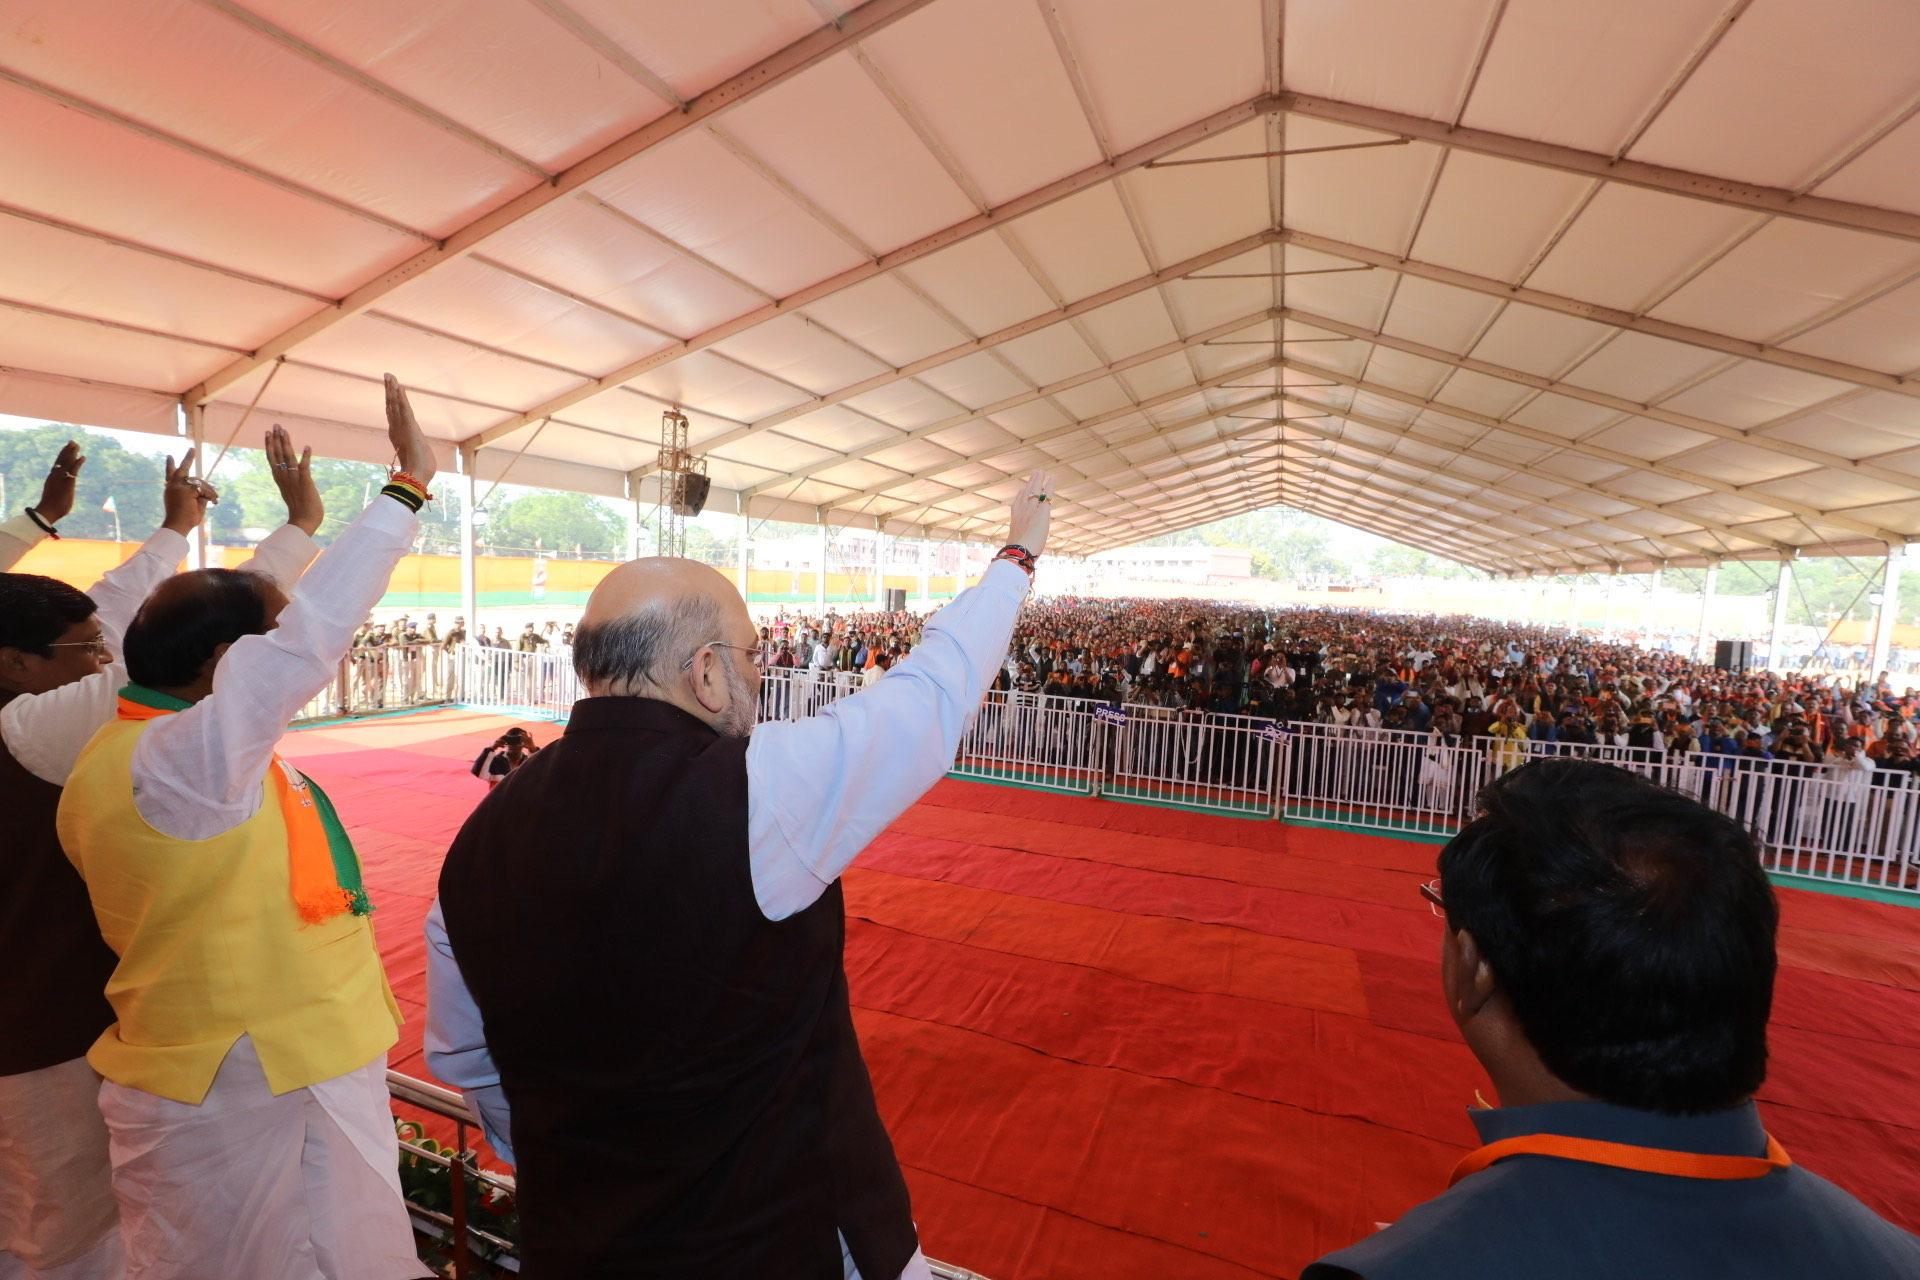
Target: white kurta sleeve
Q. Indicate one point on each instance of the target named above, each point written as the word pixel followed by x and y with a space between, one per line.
pixel 456 1039
pixel 18 536
pixel 283 555
pixel 198 773
pixel 46 731
pixel 820 789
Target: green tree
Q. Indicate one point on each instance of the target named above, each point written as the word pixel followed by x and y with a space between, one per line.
pixel 553 522
pixel 346 487
pixel 132 480
pixel 709 548
pixel 1401 561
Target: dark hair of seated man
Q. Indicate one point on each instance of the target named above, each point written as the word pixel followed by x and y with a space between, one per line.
pixel 183 626
pixel 1609 958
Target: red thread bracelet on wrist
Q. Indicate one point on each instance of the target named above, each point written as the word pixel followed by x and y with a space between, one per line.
pixel 408 479
pixel 1014 553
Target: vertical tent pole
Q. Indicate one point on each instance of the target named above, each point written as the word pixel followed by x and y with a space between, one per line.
pixel 1886 613
pixel 1782 588
pixel 1650 616
pixel 1606 617
pixel 879 564
pixel 921 564
pixel 469 529
pixel 197 433
pixel 636 522
pixel 1706 603
pixel 820 572
pixel 743 532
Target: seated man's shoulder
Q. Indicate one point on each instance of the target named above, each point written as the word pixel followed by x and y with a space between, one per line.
pixel 1552 1218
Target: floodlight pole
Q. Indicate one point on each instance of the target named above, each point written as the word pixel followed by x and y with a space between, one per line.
pixel 1782 588
pixel 677 467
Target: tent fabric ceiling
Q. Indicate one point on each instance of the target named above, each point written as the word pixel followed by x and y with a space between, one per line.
pixel 1537 286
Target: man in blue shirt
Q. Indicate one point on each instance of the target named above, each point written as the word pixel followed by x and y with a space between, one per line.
pixel 1388 689
pixel 1609 958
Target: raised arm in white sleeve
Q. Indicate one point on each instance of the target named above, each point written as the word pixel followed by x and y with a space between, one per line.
pixel 46 731
pixel 283 555
pixel 198 772
pixel 18 536
pixel 820 789
pixel 456 1039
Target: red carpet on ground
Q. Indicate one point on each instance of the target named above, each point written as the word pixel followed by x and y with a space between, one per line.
pixel 1122 1042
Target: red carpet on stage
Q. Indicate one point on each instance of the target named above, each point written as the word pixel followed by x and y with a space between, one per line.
pixel 1115 1041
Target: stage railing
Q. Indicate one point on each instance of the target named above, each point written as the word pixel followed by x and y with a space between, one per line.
pixel 1811 820
pixel 1033 741
pixel 472 1250
pixel 794 693
pixel 538 685
pixel 390 677
pixel 1195 760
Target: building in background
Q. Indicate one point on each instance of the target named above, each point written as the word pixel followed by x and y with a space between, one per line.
pixel 1194 566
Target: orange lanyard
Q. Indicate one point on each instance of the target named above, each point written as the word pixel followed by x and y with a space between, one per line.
pixel 1620 1155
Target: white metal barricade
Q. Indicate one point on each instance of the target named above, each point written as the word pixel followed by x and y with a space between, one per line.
pixel 1194 759
pixel 1033 740
pixel 794 693
pixel 538 685
pixel 386 678
pixel 1392 781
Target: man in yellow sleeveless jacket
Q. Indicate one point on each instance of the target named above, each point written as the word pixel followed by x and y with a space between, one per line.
pixel 245 1092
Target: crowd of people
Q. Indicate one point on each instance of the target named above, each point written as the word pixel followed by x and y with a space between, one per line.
pixel 1456 680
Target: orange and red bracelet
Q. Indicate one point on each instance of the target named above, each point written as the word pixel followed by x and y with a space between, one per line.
pixel 1016 554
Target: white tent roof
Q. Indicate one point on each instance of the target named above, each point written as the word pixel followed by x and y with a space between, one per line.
pixel 1548 286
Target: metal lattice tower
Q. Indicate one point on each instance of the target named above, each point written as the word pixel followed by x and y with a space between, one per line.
pixel 676 464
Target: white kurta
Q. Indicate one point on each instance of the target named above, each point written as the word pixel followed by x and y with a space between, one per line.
pixel 304 1185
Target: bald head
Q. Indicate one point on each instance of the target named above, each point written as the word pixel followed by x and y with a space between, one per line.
pixel 658 581
pixel 649 631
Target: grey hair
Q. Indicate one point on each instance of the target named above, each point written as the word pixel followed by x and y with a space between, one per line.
pixel 627 655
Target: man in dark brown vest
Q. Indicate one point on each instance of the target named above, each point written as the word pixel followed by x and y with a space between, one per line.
pixel 60 672
pixel 649 1007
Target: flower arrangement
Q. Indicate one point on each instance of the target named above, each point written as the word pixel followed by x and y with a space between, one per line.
pixel 427 1184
